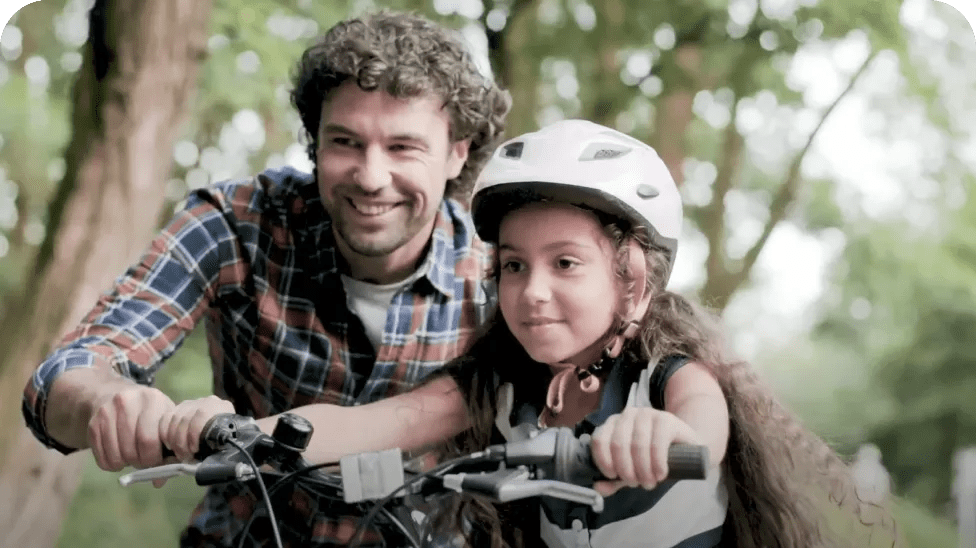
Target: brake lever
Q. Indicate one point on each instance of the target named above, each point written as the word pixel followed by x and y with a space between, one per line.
pixel 513 484
pixel 164 471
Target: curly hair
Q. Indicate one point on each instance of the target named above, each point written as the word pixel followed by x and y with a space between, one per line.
pixel 405 55
pixel 785 484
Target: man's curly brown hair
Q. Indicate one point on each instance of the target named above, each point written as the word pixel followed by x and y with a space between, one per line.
pixel 405 55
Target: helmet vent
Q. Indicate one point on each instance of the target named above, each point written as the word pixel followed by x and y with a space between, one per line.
pixel 513 150
pixel 603 151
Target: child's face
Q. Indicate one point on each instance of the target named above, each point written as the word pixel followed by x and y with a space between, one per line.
pixel 557 290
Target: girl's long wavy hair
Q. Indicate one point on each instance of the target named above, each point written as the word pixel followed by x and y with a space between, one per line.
pixel 785 484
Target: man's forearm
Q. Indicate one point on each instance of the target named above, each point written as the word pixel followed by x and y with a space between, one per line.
pixel 74 396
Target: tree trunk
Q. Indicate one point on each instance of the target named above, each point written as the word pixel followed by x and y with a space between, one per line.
pixel 133 91
pixel 674 112
pixel 520 77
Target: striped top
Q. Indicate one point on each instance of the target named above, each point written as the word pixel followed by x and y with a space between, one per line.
pixel 257 260
pixel 675 514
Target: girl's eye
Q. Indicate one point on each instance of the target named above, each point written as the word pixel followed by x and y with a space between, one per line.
pixel 512 266
pixel 566 264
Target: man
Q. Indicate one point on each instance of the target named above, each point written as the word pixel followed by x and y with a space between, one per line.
pixel 319 292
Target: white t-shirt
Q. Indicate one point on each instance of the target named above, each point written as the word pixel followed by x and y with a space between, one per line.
pixel 371 302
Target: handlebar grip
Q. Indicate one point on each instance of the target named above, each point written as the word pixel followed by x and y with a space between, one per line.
pixel 574 461
pixel 215 433
pixel 686 461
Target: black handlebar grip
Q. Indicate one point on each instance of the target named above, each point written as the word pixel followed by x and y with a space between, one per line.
pixel 686 461
pixel 574 461
pixel 218 472
pixel 216 432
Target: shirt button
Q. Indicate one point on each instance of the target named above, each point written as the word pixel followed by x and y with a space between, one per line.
pixel 577 525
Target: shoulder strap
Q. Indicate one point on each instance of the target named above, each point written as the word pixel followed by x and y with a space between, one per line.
pixel 659 377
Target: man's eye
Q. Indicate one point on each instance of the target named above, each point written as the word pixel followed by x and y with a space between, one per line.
pixel 406 147
pixel 566 264
pixel 342 141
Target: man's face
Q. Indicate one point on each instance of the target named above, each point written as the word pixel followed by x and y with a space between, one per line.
pixel 383 163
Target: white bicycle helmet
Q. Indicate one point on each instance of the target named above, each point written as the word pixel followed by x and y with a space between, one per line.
pixel 581 163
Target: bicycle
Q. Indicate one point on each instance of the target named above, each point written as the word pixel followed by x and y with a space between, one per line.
pixel 546 462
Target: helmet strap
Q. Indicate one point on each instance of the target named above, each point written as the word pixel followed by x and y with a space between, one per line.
pixel 585 393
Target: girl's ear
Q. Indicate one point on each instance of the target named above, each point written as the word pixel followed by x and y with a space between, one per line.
pixel 636 305
pixel 640 297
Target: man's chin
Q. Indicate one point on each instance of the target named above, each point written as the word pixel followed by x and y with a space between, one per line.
pixel 373 248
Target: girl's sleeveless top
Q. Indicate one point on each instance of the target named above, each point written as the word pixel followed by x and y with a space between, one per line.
pixel 675 514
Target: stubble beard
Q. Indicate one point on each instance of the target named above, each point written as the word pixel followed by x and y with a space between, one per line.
pixel 392 239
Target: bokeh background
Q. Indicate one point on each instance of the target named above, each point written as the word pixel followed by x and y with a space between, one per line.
pixel 825 150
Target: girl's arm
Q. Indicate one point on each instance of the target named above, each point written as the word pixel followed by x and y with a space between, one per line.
pixel 632 446
pixel 694 396
pixel 426 415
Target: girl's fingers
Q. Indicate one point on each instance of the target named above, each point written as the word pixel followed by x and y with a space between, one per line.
pixel 661 439
pixel 600 448
pixel 642 453
pixel 608 487
pixel 621 448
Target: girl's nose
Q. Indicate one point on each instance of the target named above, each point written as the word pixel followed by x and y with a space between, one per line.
pixel 537 288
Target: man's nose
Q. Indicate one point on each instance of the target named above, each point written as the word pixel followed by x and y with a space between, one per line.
pixel 373 172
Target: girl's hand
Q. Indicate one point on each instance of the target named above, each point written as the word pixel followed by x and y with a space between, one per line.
pixel 180 428
pixel 632 447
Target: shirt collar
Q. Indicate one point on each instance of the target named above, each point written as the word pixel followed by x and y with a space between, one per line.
pixel 450 241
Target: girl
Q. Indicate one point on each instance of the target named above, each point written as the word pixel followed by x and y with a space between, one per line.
pixel 586 221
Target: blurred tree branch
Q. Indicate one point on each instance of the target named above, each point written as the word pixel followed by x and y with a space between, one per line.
pixel 724 279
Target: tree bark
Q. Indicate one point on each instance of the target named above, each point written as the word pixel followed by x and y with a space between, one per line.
pixel 674 109
pixel 604 84
pixel 133 90
pixel 508 53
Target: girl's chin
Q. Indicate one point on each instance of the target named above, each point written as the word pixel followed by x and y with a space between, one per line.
pixel 548 358
pixel 556 361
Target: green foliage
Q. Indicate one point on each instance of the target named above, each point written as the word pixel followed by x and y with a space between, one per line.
pixel 912 343
pixel 919 290
pixel 106 515
pixel 920 528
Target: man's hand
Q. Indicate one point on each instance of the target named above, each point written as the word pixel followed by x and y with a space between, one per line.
pixel 180 427
pixel 632 447
pixel 124 427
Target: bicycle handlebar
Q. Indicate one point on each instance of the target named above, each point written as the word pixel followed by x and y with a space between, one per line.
pixel 564 457
pixel 551 462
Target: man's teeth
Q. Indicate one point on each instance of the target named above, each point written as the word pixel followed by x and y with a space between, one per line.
pixel 371 209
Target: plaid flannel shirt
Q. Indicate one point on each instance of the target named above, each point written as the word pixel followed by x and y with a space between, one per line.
pixel 258 260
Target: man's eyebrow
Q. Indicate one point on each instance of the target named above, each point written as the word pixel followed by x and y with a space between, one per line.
pixel 337 128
